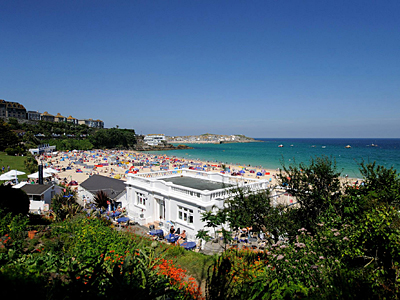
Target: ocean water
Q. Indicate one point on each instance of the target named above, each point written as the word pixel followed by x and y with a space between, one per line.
pixel 267 154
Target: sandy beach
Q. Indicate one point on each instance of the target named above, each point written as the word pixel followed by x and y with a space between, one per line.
pixel 79 165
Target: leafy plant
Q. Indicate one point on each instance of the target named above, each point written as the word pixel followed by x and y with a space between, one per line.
pixel 101 199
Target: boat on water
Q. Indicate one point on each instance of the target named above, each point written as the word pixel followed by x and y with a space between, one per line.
pixel 373 145
pixel 348 146
pixel 280 146
pixel 323 147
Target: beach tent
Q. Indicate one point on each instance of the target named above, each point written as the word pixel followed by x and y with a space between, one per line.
pixel 259 174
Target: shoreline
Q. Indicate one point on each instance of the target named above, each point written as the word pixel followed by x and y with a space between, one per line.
pixel 80 165
pixel 214 142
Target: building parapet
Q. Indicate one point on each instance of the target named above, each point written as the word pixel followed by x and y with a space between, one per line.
pixel 154 181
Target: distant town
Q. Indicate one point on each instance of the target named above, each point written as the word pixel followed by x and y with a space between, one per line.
pixel 16 110
pixel 210 138
pixel 9 109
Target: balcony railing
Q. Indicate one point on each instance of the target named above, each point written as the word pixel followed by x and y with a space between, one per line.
pixel 154 181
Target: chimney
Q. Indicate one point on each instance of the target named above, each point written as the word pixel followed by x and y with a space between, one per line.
pixel 40 174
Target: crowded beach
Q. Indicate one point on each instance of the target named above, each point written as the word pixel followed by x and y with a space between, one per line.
pixel 76 166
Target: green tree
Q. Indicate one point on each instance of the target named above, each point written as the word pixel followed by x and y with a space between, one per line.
pixel 381 181
pixel 316 188
pixel 14 201
pixel 31 163
pixel 8 138
pixel 114 138
pixel 30 140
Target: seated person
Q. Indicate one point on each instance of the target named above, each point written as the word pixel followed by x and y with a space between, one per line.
pixel 172 230
pixel 182 236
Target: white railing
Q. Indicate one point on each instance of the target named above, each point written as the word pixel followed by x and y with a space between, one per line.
pixel 158 174
pixel 154 180
pixel 186 191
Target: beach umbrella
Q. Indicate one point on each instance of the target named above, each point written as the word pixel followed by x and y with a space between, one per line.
pixel 14 173
pixel 7 177
pixel 242 172
pixel 50 171
pixel 36 175
pixel 259 174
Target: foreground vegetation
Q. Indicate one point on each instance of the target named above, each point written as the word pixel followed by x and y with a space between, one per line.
pixel 339 242
pixel 85 258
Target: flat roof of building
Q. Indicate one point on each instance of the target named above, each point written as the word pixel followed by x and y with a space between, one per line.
pixel 197 183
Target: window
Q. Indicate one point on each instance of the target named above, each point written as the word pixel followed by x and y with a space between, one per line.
pixel 141 199
pixel 185 214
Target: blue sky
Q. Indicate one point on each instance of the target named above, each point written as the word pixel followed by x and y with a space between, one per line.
pixel 259 68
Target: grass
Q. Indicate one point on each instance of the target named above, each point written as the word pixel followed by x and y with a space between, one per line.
pixel 15 163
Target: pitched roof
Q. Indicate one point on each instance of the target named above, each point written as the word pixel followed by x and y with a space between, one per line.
pixel 10 104
pixel 36 189
pixel 113 187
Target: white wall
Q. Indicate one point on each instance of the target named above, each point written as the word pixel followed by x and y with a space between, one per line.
pixel 47 196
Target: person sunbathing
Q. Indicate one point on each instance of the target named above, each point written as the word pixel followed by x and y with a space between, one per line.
pixel 182 236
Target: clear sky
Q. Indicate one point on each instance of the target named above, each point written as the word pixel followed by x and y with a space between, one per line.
pixel 260 68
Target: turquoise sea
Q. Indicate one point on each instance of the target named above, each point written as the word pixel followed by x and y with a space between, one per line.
pixel 267 154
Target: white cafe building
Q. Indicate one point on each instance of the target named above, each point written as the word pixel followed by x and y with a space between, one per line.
pixel 179 197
